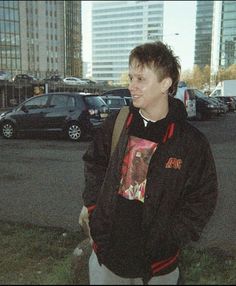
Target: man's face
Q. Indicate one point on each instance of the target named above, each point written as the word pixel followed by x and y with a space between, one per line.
pixel 146 90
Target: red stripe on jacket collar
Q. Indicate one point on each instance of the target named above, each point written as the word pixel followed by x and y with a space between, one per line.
pixel 129 119
pixel 169 132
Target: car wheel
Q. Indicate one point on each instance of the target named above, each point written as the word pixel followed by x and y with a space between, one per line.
pixel 8 130
pixel 74 132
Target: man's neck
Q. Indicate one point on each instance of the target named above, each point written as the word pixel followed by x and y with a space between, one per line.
pixel 156 113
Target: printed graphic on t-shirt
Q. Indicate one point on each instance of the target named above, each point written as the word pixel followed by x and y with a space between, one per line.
pixel 134 168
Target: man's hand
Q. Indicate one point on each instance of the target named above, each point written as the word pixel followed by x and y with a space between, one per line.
pixel 84 221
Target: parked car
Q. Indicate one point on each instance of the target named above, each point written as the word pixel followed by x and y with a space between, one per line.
pixel 24 78
pixel 229 100
pixel 89 81
pixel 124 92
pixel 225 88
pixel 187 98
pixel 223 107
pixel 73 80
pixel 128 100
pixel 74 114
pixel 205 107
pixel 53 79
pixel 115 103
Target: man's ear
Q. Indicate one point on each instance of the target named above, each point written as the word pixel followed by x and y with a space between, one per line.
pixel 166 84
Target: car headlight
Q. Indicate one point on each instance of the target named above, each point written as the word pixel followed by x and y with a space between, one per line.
pixel 210 106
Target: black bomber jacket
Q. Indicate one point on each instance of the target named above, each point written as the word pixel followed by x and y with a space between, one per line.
pixel 182 170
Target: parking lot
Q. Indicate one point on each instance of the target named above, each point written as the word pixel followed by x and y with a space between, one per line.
pixel 42 180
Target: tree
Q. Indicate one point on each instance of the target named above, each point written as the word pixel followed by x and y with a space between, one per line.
pixel 206 77
pixel 231 70
pixel 124 79
pixel 198 78
pixel 201 77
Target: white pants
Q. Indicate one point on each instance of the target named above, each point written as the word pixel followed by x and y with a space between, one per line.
pixel 100 275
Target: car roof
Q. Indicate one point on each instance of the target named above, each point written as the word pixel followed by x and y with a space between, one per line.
pixel 123 92
pixel 72 77
pixel 112 96
pixel 71 93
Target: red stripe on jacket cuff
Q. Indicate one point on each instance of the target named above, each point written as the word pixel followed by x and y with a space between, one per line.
pixel 157 266
pixel 95 247
pixel 91 208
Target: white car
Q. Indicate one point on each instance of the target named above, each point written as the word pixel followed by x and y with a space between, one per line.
pixel 187 98
pixel 73 80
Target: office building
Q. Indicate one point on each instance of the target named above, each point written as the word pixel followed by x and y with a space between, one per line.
pixel 117 27
pixel 203 36
pixel 41 38
pixel 223 53
pixel 215 42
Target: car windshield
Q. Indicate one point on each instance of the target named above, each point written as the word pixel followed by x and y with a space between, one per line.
pixel 200 94
pixel 95 101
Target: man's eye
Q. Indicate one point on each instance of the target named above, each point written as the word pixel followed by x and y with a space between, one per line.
pixel 140 78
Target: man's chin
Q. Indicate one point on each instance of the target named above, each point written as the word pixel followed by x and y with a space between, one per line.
pixel 136 103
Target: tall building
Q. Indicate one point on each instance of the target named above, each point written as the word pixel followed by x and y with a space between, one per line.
pixel 223 52
pixel 203 36
pixel 117 27
pixel 215 42
pixel 41 37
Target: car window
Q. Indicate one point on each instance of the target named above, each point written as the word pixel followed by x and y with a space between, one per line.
pixel 217 92
pixel 115 102
pixel 191 94
pixel 37 102
pixel 71 101
pixel 200 94
pixel 59 100
pixel 94 101
pixel 119 92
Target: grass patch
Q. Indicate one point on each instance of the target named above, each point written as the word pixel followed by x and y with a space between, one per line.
pixel 35 255
pixel 42 256
pixel 211 266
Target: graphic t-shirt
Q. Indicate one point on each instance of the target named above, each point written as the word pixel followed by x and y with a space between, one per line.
pixel 134 169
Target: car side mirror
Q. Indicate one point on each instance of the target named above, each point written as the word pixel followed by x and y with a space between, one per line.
pixel 24 108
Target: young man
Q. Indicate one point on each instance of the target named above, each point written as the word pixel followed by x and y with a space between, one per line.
pixel 158 189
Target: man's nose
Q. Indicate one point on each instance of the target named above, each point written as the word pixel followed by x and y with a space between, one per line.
pixel 132 86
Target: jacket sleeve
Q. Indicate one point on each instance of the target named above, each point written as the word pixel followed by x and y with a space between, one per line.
pixel 199 197
pixel 183 216
pixel 96 160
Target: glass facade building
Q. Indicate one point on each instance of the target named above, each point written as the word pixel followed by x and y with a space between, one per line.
pixel 215 42
pixel 41 37
pixel 117 27
pixel 203 36
pixel 227 55
pixel 10 41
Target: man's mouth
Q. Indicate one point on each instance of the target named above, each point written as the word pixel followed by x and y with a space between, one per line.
pixel 136 96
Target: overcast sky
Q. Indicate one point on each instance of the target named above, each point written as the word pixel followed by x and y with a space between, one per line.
pixel 179 17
